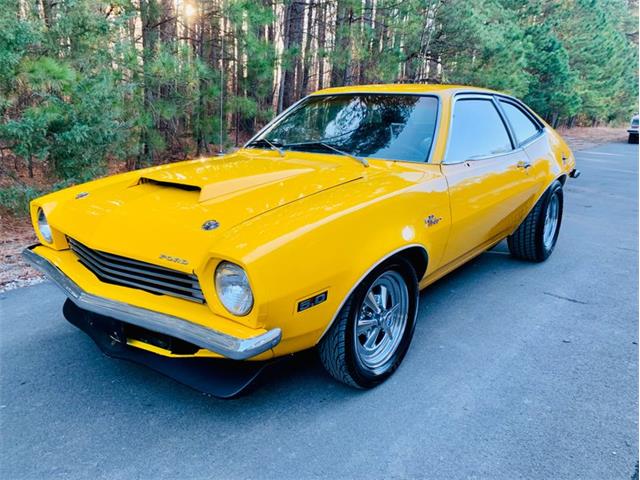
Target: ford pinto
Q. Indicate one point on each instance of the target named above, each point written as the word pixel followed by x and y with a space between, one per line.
pixel 319 232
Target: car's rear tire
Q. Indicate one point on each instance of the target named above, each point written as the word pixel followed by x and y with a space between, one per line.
pixel 371 334
pixel 633 138
pixel 536 237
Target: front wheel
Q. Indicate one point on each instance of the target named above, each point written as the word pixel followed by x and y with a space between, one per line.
pixel 373 330
pixel 536 237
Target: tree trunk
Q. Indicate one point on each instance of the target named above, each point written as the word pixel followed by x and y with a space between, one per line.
pixel 167 32
pixel 308 54
pixel 47 12
pixel 322 43
pixel 201 141
pixel 149 19
pixel 283 71
pixel 293 40
pixel 341 49
pixel 367 17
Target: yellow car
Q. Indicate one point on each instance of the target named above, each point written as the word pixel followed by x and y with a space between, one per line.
pixel 320 232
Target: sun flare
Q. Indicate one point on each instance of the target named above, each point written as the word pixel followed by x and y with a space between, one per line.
pixel 189 10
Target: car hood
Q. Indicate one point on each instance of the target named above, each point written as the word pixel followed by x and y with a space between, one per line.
pixel 160 211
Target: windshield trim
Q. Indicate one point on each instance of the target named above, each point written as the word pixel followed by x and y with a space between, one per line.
pixel 297 104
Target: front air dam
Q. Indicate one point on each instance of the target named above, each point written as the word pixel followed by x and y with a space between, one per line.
pixel 220 378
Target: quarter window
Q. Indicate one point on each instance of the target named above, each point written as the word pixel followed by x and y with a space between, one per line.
pixel 477 131
pixel 522 125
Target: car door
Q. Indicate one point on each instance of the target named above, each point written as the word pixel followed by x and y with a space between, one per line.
pixel 487 176
pixel 529 135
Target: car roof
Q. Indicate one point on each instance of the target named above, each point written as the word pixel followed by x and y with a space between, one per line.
pixel 403 88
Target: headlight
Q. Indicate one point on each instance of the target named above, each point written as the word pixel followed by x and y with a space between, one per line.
pixel 232 286
pixel 43 226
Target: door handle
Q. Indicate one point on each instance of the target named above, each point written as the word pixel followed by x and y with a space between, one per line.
pixel 523 164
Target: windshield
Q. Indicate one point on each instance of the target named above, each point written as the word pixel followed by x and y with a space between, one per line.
pixel 391 127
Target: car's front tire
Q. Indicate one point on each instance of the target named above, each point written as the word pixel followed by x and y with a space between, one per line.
pixel 536 237
pixel 371 334
pixel 633 138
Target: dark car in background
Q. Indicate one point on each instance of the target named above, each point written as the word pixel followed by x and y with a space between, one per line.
pixel 633 130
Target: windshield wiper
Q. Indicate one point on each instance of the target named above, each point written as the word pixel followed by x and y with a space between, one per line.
pixel 269 144
pixel 328 146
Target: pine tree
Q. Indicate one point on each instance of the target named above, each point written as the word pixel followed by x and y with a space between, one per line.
pixel 139 82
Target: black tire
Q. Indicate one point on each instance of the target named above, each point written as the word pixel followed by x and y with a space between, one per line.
pixel 633 138
pixel 527 242
pixel 337 349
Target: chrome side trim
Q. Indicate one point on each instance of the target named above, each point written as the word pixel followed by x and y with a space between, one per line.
pixel 218 342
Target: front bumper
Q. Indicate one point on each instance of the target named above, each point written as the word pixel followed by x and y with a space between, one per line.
pixel 226 345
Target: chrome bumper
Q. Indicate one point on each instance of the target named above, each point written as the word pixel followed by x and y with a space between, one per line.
pixel 218 342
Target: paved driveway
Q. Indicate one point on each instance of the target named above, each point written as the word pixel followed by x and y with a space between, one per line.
pixel 515 371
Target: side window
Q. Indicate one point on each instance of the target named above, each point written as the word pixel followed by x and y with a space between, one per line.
pixel 522 125
pixel 477 131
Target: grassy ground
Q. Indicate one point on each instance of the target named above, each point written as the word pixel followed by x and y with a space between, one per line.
pixel 16 231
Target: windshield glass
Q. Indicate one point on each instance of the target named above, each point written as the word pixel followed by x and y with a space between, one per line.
pixel 391 127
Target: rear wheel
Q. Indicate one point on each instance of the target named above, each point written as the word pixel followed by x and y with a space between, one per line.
pixel 536 237
pixel 633 138
pixel 373 330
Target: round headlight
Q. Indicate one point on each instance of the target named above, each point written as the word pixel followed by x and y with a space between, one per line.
pixel 232 286
pixel 43 226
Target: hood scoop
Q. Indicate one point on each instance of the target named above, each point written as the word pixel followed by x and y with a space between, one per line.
pixel 164 183
pixel 218 187
pixel 252 185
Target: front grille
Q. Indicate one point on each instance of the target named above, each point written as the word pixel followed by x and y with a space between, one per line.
pixel 126 272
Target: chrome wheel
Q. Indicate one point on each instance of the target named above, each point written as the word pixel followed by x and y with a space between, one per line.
pixel 551 221
pixel 381 321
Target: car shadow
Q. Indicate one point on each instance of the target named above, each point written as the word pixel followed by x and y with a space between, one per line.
pixel 305 368
pixel 70 364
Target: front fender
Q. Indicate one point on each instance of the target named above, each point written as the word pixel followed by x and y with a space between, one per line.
pixel 328 243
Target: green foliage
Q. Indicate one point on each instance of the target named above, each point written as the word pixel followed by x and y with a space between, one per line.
pixel 16 198
pixel 16 36
pixel 485 46
pixel 46 74
pixel 552 82
pixel 84 82
pixel 27 135
pixel 604 61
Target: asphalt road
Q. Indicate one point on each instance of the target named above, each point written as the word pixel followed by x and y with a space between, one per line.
pixel 516 371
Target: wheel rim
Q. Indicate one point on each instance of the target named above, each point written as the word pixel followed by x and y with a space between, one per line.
pixel 551 221
pixel 381 321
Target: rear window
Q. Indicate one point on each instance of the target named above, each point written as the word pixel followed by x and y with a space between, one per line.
pixel 523 127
